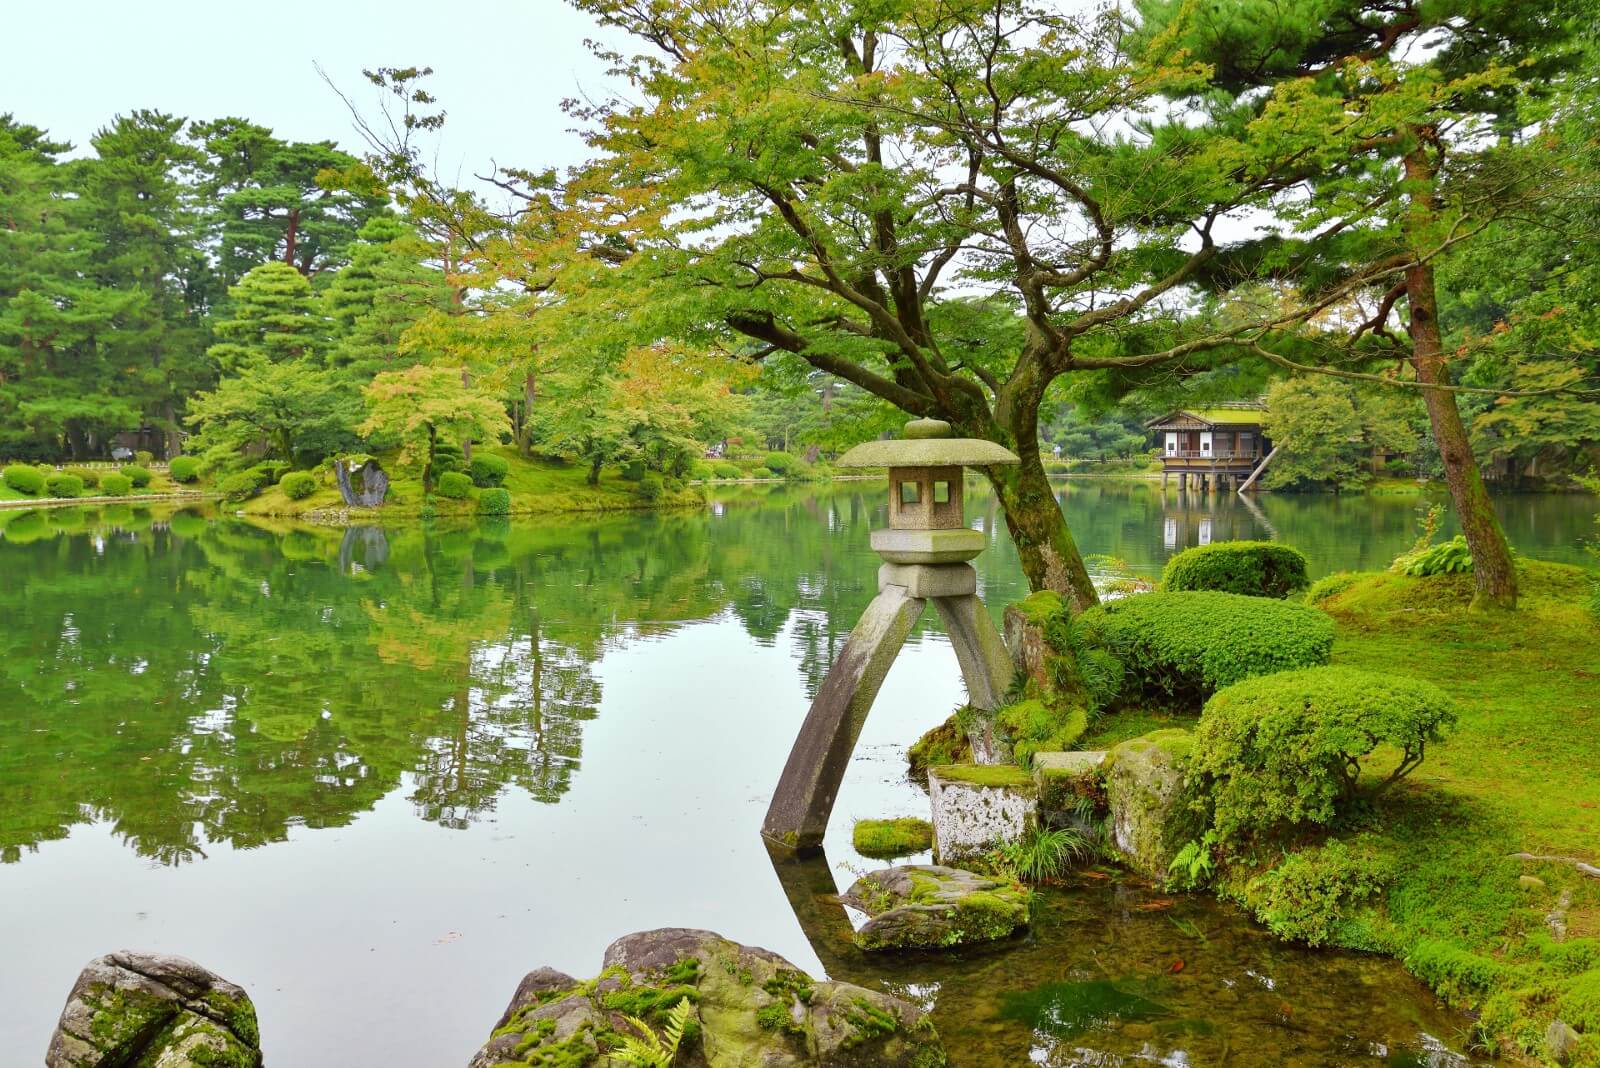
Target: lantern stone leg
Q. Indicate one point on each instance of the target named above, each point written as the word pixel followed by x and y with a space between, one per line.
pixel 925 548
pixel 986 666
pixel 798 814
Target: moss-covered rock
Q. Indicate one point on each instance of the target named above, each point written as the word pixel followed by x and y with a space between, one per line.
pixel 150 1009
pixel 746 1006
pixel 1067 782
pixel 927 906
pixel 945 744
pixel 892 838
pixel 1150 800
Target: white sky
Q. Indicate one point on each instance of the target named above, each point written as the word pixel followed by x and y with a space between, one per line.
pixel 501 67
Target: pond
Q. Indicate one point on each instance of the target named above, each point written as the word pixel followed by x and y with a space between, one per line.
pixel 374 776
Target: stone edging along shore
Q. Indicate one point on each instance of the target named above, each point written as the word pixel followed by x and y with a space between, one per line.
pixel 142 498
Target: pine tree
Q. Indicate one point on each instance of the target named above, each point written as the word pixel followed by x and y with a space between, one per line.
pixel 372 302
pixel 272 200
pixel 148 243
pixel 273 317
pixel 58 390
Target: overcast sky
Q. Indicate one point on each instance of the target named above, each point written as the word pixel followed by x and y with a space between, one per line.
pixel 501 67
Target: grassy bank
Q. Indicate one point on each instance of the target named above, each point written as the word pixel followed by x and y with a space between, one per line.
pixel 1431 874
pixel 537 487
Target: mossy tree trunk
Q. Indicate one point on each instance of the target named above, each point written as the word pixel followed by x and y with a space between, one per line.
pixel 1493 570
pixel 1049 555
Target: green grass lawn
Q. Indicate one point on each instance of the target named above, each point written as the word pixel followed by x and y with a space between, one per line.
pixel 1520 773
pixel 538 487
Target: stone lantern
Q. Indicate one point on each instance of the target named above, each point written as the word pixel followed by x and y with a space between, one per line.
pixel 925 551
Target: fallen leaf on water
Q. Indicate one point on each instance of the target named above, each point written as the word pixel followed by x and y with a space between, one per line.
pixel 1177 966
pixel 1156 906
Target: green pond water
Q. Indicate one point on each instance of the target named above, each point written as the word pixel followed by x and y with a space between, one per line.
pixel 376 775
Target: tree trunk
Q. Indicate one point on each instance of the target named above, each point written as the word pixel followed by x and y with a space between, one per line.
pixel 466 439
pixel 530 393
pixel 291 239
pixel 427 461
pixel 594 472
pixel 1049 556
pixel 1493 571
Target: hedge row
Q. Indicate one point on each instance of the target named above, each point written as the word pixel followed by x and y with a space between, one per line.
pixel 1254 568
pixel 1180 648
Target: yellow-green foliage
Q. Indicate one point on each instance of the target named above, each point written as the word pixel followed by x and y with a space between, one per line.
pixel 1038 726
pixel 1286 749
pixel 945 744
pixel 1311 895
pixel 1253 568
pixel 1329 585
pixel 24 479
pixel 892 838
pixel 1180 648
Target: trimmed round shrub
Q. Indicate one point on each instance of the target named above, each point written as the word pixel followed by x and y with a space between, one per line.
pixel 651 486
pixel 724 469
pixel 242 485
pixel 298 485
pixel 780 462
pixel 762 472
pixel 1315 895
pixel 495 501
pixel 139 476
pixel 454 486
pixel 24 479
pixel 267 472
pixel 488 469
pixel 90 476
pixel 144 458
pixel 61 484
pixel 700 470
pixel 184 468
pixel 116 486
pixel 1180 648
pixel 1286 749
pixel 448 456
pixel 1255 568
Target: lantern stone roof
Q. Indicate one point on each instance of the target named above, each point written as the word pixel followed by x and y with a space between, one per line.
pixel 927 443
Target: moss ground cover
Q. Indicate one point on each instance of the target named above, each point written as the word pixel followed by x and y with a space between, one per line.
pixel 1520 773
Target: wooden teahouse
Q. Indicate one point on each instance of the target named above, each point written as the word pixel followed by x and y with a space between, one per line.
pixel 1218 445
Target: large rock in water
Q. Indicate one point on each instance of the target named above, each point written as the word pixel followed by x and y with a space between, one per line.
pixel 153 1010
pixel 1151 812
pixel 752 1009
pixel 926 906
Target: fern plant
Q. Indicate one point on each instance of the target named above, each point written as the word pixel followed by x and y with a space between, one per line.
pixel 1195 863
pixel 647 1048
pixel 1447 558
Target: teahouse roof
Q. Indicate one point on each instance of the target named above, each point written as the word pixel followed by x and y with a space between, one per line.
pixel 1241 414
pixel 927 444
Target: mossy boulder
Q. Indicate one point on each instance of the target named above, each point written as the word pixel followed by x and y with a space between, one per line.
pixel 945 744
pixel 1067 782
pixel 152 1009
pixel 1147 790
pixel 750 1007
pixel 927 906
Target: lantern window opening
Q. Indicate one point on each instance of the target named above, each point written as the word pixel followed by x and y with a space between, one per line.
pixel 910 493
pixel 941 492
